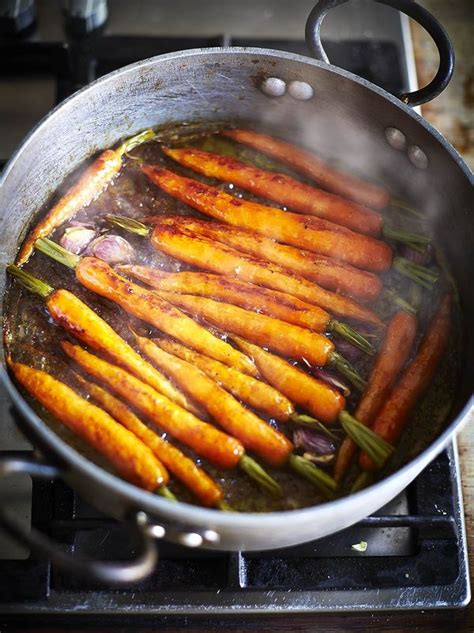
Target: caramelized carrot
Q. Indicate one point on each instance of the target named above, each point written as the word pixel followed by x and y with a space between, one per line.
pixel 123 449
pixel 308 164
pixel 206 489
pixel 90 184
pixel 216 257
pixel 221 449
pixel 280 188
pixel 394 415
pixel 255 434
pixel 86 325
pixel 325 271
pixel 303 231
pixel 285 338
pixel 313 395
pixel 246 295
pixel 97 276
pixel 392 355
pixel 252 391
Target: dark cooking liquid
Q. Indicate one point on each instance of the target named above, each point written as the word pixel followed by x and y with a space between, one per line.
pixel 33 337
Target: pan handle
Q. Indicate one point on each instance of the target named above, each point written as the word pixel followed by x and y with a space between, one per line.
pixel 413 10
pixel 118 573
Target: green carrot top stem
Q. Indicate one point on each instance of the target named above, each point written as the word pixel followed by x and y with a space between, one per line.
pixel 406 237
pixel 129 224
pixel 340 364
pixel 28 281
pixel 57 252
pixel 134 141
pixel 369 442
pixel 258 474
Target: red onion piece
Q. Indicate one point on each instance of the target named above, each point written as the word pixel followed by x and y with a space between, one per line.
pixel 313 442
pixel 111 248
pixel 76 239
pixel 332 380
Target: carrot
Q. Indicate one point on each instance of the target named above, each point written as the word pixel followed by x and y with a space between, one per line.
pixel 97 276
pixel 393 417
pixel 254 392
pixel 287 339
pixel 240 293
pixel 303 231
pixel 254 433
pixel 126 452
pixel 86 325
pixel 308 164
pixel 325 271
pixel 221 449
pixel 206 489
pixel 313 395
pixel 216 257
pixel 280 188
pixel 392 355
pixel 89 185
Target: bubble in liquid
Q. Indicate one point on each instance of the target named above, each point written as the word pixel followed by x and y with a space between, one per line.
pixel 300 90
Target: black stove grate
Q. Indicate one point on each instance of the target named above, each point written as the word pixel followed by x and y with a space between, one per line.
pixel 415 558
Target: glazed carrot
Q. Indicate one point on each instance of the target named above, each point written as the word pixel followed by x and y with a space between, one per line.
pixel 308 164
pixel 393 417
pixel 86 325
pixel 325 271
pixel 255 434
pixel 210 255
pixel 303 231
pixel 196 479
pixel 392 355
pixel 284 338
pixel 313 395
pixel 97 276
pixel 90 184
pixel 246 295
pixel 280 188
pixel 248 389
pixel 122 448
pixel 221 449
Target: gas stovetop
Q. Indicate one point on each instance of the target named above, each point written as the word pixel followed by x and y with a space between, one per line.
pixel 415 559
pixel 416 548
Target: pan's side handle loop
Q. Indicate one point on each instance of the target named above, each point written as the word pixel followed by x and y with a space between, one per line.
pixel 413 10
pixel 117 573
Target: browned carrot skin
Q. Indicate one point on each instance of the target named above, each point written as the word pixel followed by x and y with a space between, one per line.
pixel 308 164
pixel 313 395
pixel 91 183
pixel 221 449
pixel 210 255
pixel 86 325
pixel 255 434
pixel 206 489
pixel 391 357
pixel 394 415
pixel 122 448
pixel 254 392
pixel 325 271
pixel 97 276
pixel 304 231
pixel 280 188
pixel 276 304
pixel 285 338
